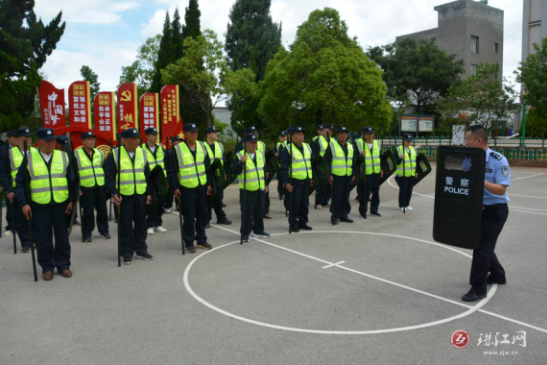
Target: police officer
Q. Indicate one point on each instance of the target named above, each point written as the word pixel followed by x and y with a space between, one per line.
pixel 249 166
pixel 4 158
pixel 485 266
pixel 298 168
pixel 319 131
pixel 155 157
pixel 50 175
pixel 279 147
pixel 132 195
pixel 170 154
pixel 340 159
pixel 319 148
pixel 405 157
pixel 11 160
pixel 370 149
pixel 89 163
pixel 189 172
pixel 215 150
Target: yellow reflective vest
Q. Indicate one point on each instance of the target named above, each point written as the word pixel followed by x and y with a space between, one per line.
pixel 91 172
pixel 132 177
pixel 323 145
pixel 342 165
pixel 155 161
pixel 252 176
pixel 372 157
pixel 219 152
pixel 301 164
pixel 16 159
pixel 45 183
pixel 409 167
pixel 191 172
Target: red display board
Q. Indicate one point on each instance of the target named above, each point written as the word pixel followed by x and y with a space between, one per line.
pixel 52 106
pixel 150 113
pixel 128 114
pixel 170 112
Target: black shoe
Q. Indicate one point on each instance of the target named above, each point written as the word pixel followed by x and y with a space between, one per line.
pixel 295 229
pixel 191 249
pixel 127 260
pixel 364 216
pixel 87 239
pixel 106 235
pixel 261 234
pixel 305 227
pixel 346 220
pixel 473 296
pixel 335 222
pixel 376 214
pixel 204 245
pixel 25 249
pixel 245 238
pixel 490 280
pixel 224 221
pixel 144 256
pixel 208 225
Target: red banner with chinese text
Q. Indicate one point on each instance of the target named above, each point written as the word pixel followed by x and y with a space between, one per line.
pixel 105 115
pixel 170 113
pixel 52 106
pixel 128 114
pixel 149 110
pixel 79 104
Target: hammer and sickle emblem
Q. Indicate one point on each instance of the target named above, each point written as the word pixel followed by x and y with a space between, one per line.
pixel 126 95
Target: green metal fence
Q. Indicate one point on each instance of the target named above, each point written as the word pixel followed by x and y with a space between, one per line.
pixel 447 140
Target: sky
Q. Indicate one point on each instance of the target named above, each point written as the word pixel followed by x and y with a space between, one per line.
pixel 105 34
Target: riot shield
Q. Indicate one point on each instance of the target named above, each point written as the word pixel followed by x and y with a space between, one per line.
pixel 389 165
pixel 423 168
pixel 459 193
pixel 272 166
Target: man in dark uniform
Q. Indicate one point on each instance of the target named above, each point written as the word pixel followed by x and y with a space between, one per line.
pixel 89 165
pixel 155 157
pixel 320 147
pixel 4 156
pixel 340 159
pixel 300 168
pixel 405 157
pixel 11 161
pixel 485 267
pixel 132 195
pixel 369 184
pixel 169 154
pixel 319 130
pixel 215 150
pixel 249 164
pixel 50 175
pixel 279 147
pixel 190 173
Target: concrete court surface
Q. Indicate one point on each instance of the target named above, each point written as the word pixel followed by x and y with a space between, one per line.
pixel 378 291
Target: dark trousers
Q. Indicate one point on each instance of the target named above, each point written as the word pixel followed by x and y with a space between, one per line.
pixel 21 224
pixel 194 211
pixel 155 212
pixel 93 200
pixel 484 257
pixel 405 184
pixel 298 215
pixel 254 208
pixel 370 185
pixel 323 193
pixel 9 223
pixel 216 203
pixel 46 221
pixel 340 207
pixel 267 202
pixel 132 225
pixel 169 199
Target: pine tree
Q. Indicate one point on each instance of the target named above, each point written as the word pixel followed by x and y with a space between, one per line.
pixel 166 54
pixel 192 21
pixel 177 35
pixel 25 44
pixel 94 84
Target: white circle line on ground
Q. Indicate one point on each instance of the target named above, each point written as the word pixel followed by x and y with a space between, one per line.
pixel 470 310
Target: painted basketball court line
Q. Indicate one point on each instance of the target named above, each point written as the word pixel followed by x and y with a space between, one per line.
pixel 470 309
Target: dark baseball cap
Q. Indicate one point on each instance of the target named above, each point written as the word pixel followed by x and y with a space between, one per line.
pixel 191 127
pixel 296 129
pixel 151 130
pixel 341 129
pixel 46 134
pixel 211 129
pixel 129 133
pixel 87 135
pixel 251 138
pixel 251 130
pixel 62 140
pixel 407 136
pixel 367 130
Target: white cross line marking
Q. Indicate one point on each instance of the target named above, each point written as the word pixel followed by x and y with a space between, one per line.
pixel 527 177
pixel 331 265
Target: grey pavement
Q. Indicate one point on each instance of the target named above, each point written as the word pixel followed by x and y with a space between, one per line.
pixel 378 291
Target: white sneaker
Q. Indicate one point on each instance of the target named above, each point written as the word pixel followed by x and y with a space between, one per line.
pixel 402 209
pixel 150 230
pixel 409 208
pixel 319 206
pixel 168 210
pixel 160 229
pixel 8 233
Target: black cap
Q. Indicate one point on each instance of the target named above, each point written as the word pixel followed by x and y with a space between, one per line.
pixel 151 130
pixel 320 127
pixel 296 129
pixel 328 126
pixel 191 127
pixel 282 133
pixel 62 140
pixel 211 129
pixel 45 133
pixel 251 138
pixel 341 129
pixel 129 133
pixel 11 134
pixel 176 138
pixel 22 132
pixel 367 130
pixel 251 130
pixel 87 135
pixel 407 136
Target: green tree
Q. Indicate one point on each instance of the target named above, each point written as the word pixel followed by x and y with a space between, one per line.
pixel 178 37
pixel 533 74
pixel 482 98
pixel 166 55
pixel 325 77
pixel 536 124
pixel 417 73
pixel 25 44
pixel 192 21
pixel 205 77
pixel 94 84
pixel 142 70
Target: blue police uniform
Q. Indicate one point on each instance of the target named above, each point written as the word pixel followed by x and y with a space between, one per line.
pixel 494 216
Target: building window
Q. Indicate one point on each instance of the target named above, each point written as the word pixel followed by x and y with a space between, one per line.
pixel 474 44
pixel 496 48
pixel 472 69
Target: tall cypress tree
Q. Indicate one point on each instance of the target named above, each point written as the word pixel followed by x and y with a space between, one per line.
pixel 192 21
pixel 178 38
pixel 166 54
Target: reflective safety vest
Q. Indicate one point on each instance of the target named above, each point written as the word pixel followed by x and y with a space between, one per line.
pixel 219 152
pixel 261 147
pixel 301 165
pixel 279 144
pixel 314 138
pixel 155 161
pixel 47 183
pixel 91 172
pixel 409 163
pixel 191 172
pixel 372 158
pixel 132 177
pixel 342 165
pixel 252 176
pixel 16 159
pixel 323 145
